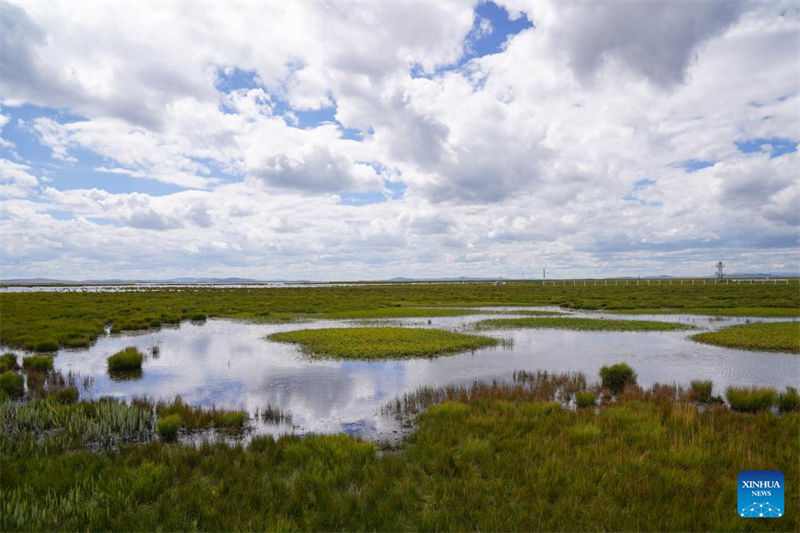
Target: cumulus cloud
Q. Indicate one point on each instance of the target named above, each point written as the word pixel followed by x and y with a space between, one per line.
pixel 526 155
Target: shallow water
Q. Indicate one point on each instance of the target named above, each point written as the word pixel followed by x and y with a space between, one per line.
pixel 229 363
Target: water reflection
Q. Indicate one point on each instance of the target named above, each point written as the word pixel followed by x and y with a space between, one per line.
pixel 229 363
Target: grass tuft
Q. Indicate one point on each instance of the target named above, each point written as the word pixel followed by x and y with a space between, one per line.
pixel 585 399
pixel 616 377
pixel 126 360
pixel 381 343
pixel 167 427
pixel 46 346
pixel 8 361
pixel 700 391
pixel 750 399
pixel 38 363
pixel 12 384
pixel 789 400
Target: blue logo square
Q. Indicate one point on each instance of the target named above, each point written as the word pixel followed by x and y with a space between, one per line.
pixel 760 494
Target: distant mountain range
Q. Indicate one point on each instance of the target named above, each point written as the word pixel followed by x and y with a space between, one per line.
pixel 231 281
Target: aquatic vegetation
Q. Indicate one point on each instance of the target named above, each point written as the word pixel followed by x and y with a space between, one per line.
pixel 126 360
pixel 766 336
pixel 584 399
pixel 767 312
pixel 65 395
pixel 701 391
pixel 789 400
pixel 580 324
pixel 232 420
pixel 167 427
pixel 75 319
pixel 57 427
pixel 12 384
pixel 498 460
pixel 8 361
pixel 38 363
pixel 193 417
pixel 398 312
pixel 46 346
pixel 274 415
pixel 616 377
pixel 540 386
pixel 750 399
pixel 381 343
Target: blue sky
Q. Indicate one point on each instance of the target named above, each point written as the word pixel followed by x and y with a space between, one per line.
pixel 463 139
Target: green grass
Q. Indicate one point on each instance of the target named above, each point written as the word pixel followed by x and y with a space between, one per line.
pixel 584 399
pixel 701 391
pixel 8 361
pixel 764 336
pixel 167 427
pixel 750 399
pixel 398 312
pixel 500 459
pixel 580 324
pixel 194 417
pixel 46 321
pixel 381 343
pixel 616 377
pixel 38 363
pixel 129 359
pixel 776 312
pixel 789 400
pixel 12 384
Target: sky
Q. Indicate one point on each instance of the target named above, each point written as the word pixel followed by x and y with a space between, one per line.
pixel 368 140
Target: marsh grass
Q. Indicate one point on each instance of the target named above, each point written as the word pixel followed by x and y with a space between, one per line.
pixel 274 415
pixel 398 312
pixel 46 346
pixel 381 342
pixel 585 399
pixel 8 361
pixel 750 399
pixel 167 426
pixel 498 460
pixel 73 319
pixel 539 386
pixel 789 400
pixel 616 377
pixel 580 324
pixel 701 391
pixel 12 384
pixel 129 359
pixel 766 336
pixel 767 312
pixel 193 417
pixel 38 363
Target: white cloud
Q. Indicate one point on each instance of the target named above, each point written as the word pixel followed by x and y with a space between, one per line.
pixel 520 158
